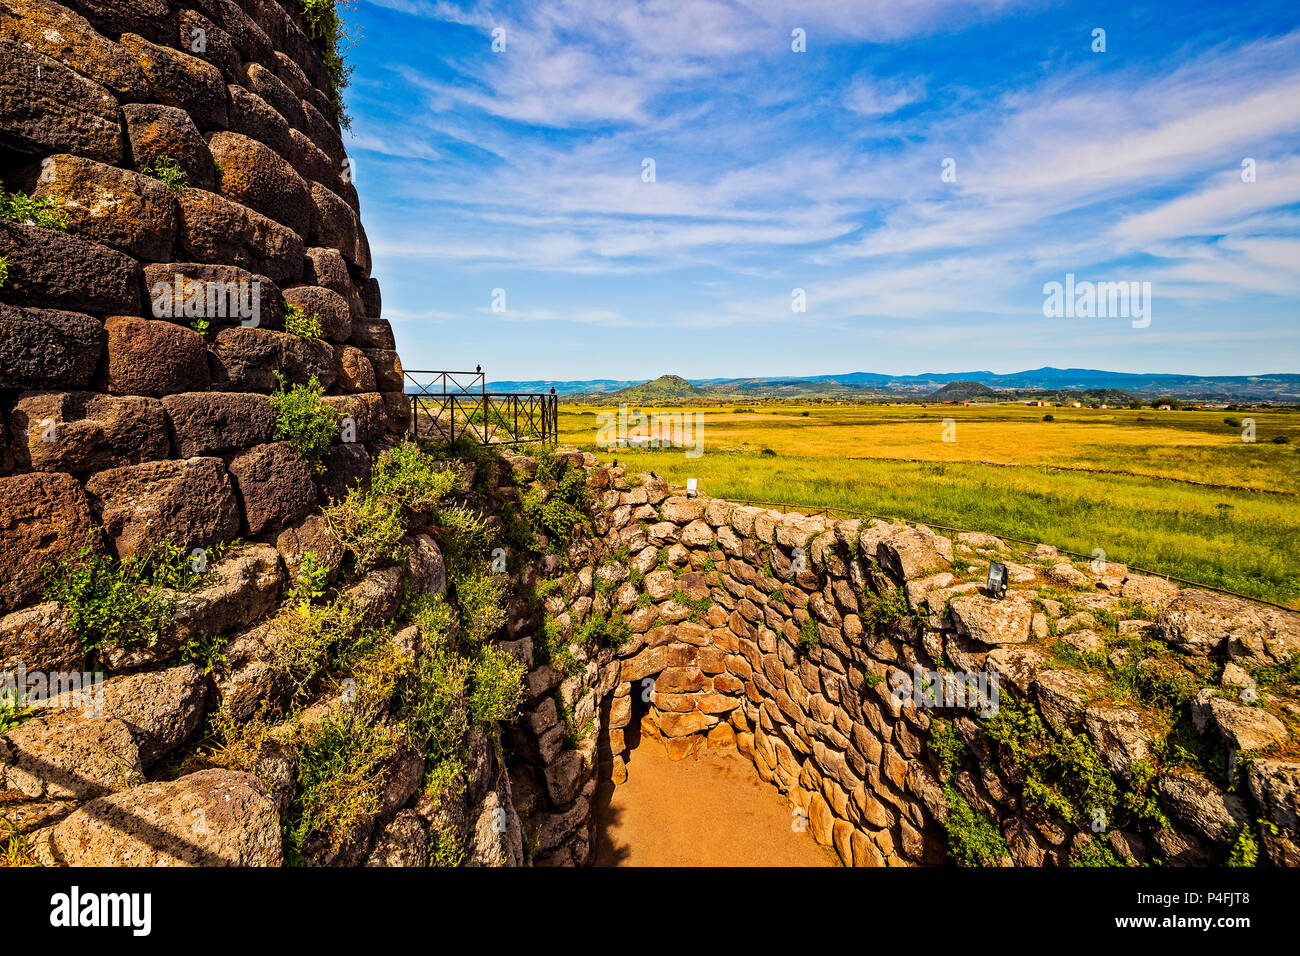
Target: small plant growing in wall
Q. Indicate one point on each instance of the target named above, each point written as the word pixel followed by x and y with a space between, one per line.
pixel 303 420
pixel 114 603
pixel 331 34
pixel 19 207
pixel 809 636
pixel 168 171
pixel 299 322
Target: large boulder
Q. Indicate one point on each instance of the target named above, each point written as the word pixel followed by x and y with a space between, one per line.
pixel 155 131
pixel 114 17
pixel 122 209
pixel 178 79
pixel 213 423
pixel 275 486
pixel 1241 728
pixel 365 413
pixel 990 620
pixel 253 116
pixel 1202 622
pixel 261 81
pixel 1195 800
pixel 215 229
pixel 151 357
pixel 51 269
pixel 247 583
pixel 42 348
pixel 161 708
pixel 86 431
pixel 401 842
pixel 1274 643
pixel 330 307
pixel 190 503
pixel 39 639
pixel 47 108
pixel 43 517
pixel 257 176
pixel 910 554
pixel 346 467
pixel 334 224
pixel 373 333
pixel 221 294
pixel 1275 785
pixel 426 572
pixel 57 32
pixel 313 535
pixel 355 373
pixel 69 756
pixel 209 818
pixel 495 836
pixel 246 360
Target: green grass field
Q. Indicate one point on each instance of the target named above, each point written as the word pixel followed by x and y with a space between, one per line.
pixel 1001 473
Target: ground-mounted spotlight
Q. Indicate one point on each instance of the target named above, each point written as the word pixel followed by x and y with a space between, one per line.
pixel 996 585
pixel 692 487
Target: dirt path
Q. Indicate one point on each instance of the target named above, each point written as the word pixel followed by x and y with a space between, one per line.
pixel 707 810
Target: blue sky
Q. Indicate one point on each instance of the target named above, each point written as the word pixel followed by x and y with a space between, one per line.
pixel 522 170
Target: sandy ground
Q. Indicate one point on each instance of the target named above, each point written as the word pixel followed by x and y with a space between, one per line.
pixel 706 810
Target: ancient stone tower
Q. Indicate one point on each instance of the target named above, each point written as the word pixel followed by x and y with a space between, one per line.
pixel 193 152
pixel 132 334
pixel 181 253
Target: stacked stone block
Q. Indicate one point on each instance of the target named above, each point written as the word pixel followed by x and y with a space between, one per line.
pixel 125 423
pixel 821 722
pixel 117 411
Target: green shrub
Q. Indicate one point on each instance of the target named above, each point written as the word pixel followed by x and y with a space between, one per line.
pixel 1064 775
pixel 369 528
pixel 973 839
pixel 1092 852
pixel 1245 849
pixel 113 603
pixel 947 746
pixel 435 712
pixel 407 475
pixel 340 784
pixel 168 172
pixel 432 613
pixel 19 207
pixel 304 421
pixel 480 598
pixel 299 322
pixel 4 271
pixel 498 686
pixel 331 33
pixel 809 636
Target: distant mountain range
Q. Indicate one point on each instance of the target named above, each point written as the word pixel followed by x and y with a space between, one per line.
pixel 1279 388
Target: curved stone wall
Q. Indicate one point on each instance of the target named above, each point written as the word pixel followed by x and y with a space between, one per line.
pixel 1091 716
pixel 134 383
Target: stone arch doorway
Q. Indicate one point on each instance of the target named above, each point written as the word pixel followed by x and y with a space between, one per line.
pixel 672 789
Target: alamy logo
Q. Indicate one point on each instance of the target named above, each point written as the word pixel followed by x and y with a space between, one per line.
pixel 624 429
pixel 68 690
pixel 977 691
pixel 1098 300
pixel 132 910
pixel 195 299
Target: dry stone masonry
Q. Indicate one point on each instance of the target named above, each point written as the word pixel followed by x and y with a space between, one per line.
pixel 854 663
pixel 1134 722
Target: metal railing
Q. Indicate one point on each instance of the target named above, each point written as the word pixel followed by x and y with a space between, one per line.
pixel 448 405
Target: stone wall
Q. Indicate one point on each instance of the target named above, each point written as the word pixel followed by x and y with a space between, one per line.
pixel 134 404
pixel 796 639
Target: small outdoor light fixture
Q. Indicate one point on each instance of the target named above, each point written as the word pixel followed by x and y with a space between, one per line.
pixel 691 487
pixel 996 584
